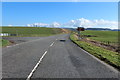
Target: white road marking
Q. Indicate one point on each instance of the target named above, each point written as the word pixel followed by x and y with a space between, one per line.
pixel 9 46
pixel 16 44
pixel 56 39
pixel 52 44
pixel 30 75
pixel 12 45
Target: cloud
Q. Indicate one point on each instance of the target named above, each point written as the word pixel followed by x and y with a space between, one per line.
pixel 54 24
pixel 14 25
pixel 82 22
pixel 101 23
pixel 38 25
pixel 28 25
pixel 106 23
pixel 10 25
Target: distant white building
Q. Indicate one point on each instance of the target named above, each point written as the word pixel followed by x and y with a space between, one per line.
pixel 4 34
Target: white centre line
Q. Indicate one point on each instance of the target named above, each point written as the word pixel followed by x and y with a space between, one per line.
pixel 52 44
pixel 30 75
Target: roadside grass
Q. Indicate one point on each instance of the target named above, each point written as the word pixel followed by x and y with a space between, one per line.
pixel 4 42
pixel 111 36
pixel 112 58
pixel 31 31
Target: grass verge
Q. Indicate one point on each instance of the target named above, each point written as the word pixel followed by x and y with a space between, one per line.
pixel 112 58
pixel 102 36
pixel 4 42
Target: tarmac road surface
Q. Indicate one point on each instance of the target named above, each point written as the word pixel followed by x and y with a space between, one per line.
pixel 52 57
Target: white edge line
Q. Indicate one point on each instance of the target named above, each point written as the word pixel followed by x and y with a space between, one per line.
pixel 12 45
pixel 30 75
pixel 24 43
pixel 109 66
pixel 16 44
pixel 52 44
pixel 9 46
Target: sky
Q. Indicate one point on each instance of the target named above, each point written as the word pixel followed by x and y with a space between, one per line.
pixel 88 14
pixel 60 0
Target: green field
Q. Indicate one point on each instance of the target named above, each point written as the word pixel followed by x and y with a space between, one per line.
pixel 31 31
pixel 110 57
pixel 111 36
pixel 4 42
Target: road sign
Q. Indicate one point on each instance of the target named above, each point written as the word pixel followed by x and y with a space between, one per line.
pixel 80 29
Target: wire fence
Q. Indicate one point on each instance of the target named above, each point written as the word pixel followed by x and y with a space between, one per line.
pixel 109 43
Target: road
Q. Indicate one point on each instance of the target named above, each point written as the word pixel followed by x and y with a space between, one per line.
pixel 52 57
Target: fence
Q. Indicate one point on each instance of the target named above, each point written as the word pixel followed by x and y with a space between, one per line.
pixel 109 42
pixel 7 34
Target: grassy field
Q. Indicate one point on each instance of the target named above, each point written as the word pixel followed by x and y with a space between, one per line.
pixel 110 57
pixel 102 36
pixel 31 31
pixel 4 42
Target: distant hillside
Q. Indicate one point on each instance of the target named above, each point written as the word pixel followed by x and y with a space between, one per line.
pixel 99 29
pixel 115 30
pixel 31 31
pixel 71 29
pixel 103 29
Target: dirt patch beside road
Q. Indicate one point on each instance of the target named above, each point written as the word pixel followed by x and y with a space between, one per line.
pixel 97 43
pixel 114 48
pixel 17 40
